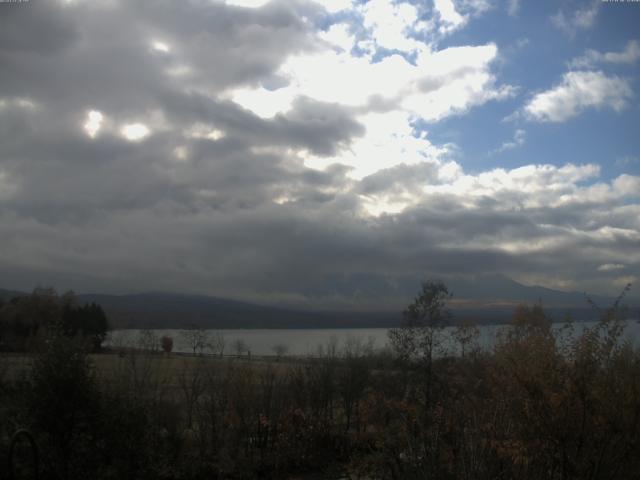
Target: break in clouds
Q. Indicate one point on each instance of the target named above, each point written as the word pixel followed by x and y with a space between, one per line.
pixel 260 150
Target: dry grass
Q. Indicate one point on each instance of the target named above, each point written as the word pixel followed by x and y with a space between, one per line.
pixel 169 369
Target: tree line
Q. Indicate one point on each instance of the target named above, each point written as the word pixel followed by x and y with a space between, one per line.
pixel 27 320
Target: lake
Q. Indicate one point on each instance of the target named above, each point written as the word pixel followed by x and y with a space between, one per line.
pixel 302 342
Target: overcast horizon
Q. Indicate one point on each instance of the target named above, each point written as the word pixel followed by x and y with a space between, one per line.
pixel 316 153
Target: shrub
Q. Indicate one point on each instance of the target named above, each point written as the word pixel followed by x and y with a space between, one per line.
pixel 167 344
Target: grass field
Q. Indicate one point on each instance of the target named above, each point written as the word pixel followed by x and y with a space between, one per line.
pixel 169 369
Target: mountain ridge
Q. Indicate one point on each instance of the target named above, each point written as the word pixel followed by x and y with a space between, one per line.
pixel 471 301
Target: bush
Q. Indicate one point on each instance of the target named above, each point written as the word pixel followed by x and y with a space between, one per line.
pixel 167 344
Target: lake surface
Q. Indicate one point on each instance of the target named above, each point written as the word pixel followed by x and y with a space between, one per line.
pixel 302 342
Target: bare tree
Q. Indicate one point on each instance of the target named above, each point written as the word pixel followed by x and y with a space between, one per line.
pixel 216 344
pixel 239 346
pixel 357 346
pixel 196 338
pixel 148 341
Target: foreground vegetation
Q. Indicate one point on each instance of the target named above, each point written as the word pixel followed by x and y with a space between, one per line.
pixel 543 404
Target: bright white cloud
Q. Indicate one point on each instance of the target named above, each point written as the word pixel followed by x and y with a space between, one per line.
pixel 578 91
pixel 458 79
pixel 388 141
pixel 451 19
pixel 527 187
pixel 134 131
pixel 334 6
pixel 329 77
pixel 93 123
pixel 160 46
pixel 439 84
pixel 591 58
pixel 390 24
pixel 338 35
pixel 264 103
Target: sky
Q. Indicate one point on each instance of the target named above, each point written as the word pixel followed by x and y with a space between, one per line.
pixel 318 153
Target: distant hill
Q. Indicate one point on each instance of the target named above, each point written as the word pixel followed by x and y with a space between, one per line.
pixel 484 300
pixel 165 310
pixel 9 294
pixel 480 290
pixel 500 288
pixel 161 310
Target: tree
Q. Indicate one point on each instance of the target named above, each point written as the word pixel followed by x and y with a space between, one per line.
pixel 217 344
pixel 420 334
pixel 196 338
pixel 239 346
pixel 148 341
pixel 88 320
pixel 423 320
pixel 29 317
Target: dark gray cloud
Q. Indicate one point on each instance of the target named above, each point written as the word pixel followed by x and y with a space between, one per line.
pixel 400 178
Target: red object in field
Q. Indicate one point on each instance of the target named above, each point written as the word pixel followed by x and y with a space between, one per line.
pixel 167 344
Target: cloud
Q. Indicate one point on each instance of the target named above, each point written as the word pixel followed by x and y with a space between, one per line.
pixel 475 7
pixel 609 267
pixel 626 160
pixel 277 156
pixel 247 3
pixel 592 58
pixel 449 16
pixel 386 95
pixel 519 138
pixel 390 24
pixel 334 6
pixel 628 185
pixel 578 91
pixel 579 19
pixel 513 7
